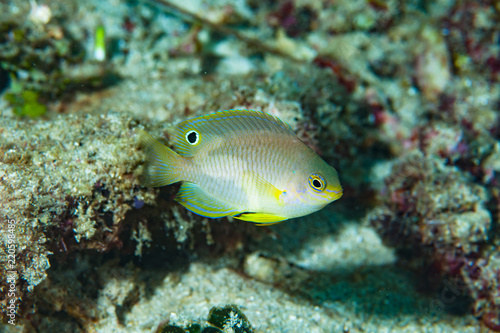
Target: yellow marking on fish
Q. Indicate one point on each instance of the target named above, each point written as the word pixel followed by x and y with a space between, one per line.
pixel 262 219
pixel 241 163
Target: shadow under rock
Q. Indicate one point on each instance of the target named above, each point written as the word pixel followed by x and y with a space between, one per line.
pixel 81 272
pixel 385 290
pixel 290 236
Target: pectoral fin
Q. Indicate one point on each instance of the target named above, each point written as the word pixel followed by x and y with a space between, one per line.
pixel 259 188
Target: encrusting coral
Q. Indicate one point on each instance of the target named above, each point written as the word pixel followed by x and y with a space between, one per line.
pixel 437 218
pixel 65 191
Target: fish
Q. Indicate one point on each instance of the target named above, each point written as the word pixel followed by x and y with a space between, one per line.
pixel 241 163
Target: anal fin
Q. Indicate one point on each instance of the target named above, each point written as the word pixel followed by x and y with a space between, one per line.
pixel 199 202
pixel 262 219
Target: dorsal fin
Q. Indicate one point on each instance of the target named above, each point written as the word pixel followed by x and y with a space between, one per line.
pixel 191 135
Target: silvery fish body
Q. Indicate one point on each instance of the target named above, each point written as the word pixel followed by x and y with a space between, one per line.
pixel 242 163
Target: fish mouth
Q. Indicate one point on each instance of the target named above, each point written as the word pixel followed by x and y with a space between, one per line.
pixel 334 193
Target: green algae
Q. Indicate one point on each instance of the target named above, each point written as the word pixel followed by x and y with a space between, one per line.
pixel 46 65
pixel 26 103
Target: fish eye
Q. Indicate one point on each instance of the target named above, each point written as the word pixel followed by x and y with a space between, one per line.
pixel 193 137
pixel 317 182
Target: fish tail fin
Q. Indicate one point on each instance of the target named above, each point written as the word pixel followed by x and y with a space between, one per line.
pixel 162 163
